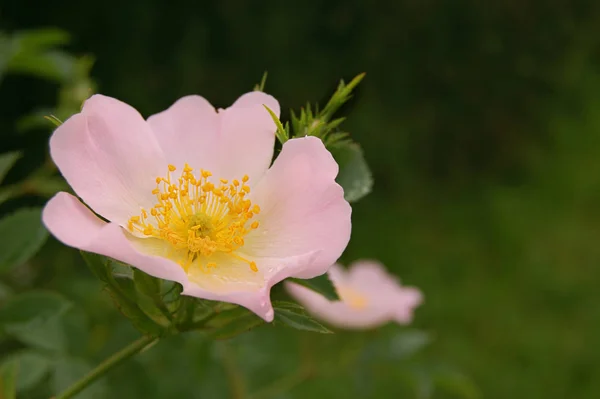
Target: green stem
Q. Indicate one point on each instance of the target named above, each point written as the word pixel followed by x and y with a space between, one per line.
pixel 113 361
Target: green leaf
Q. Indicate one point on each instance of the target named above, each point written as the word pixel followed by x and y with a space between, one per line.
pixel 8 379
pixel 146 284
pixel 34 318
pixel 294 315
pixel 261 86
pixel 9 192
pixel 49 335
pixel 41 38
pixel 34 52
pixel 34 367
pixel 321 284
pixel 121 270
pixel 7 161
pixel 35 307
pixel 149 297
pixel 230 323
pixel 54 120
pixel 236 327
pixel 123 294
pixel 46 186
pixel 340 97
pixel 98 264
pixel 68 370
pixel 354 175
pixel 131 310
pixel 282 133
pixel 23 235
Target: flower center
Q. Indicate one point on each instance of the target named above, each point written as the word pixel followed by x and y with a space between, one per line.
pixel 198 218
pixel 352 298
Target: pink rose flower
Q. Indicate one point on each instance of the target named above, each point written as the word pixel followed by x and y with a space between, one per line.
pixel 369 297
pixel 188 196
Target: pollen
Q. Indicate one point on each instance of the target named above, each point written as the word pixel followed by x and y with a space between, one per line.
pixel 199 218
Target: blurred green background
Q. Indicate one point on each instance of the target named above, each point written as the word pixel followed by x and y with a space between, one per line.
pixel 480 123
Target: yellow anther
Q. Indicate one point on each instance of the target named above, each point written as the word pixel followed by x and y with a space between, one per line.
pixel 155 191
pixel 236 182
pixel 246 188
pixel 158 180
pixel 206 174
pixel 253 266
pixel 135 219
pixel 254 225
pixel 256 209
pixel 245 178
pixel 153 211
pixel 224 181
pixel 144 214
pixel 172 168
pixel 208 187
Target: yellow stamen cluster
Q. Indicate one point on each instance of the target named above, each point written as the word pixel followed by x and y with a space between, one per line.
pixel 199 218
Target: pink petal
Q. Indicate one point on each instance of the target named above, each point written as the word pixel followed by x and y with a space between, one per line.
pixel 188 133
pixel 372 277
pixel 303 210
pixel 408 299
pixel 247 136
pixel 384 289
pixel 74 225
pixel 110 157
pixel 256 301
pixel 232 143
pixel 337 313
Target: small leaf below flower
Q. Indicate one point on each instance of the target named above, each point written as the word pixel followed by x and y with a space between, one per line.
pixel 233 322
pixel 294 315
pixel 321 284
